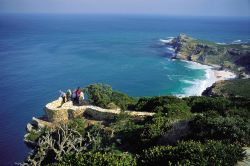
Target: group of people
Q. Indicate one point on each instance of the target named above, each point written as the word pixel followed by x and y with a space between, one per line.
pixel 77 96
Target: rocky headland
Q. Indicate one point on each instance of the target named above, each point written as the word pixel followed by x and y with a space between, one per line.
pixel 235 57
pixel 230 63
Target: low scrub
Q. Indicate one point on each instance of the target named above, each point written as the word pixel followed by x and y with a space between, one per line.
pixel 102 95
pixel 98 158
pixel 193 153
pixel 229 129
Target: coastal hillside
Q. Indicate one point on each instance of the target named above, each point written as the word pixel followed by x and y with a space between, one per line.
pixel 235 57
pixel 237 87
pixel 160 131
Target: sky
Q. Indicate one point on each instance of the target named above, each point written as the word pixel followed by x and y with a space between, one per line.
pixel 230 8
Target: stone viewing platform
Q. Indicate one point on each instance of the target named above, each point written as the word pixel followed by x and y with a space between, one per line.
pixel 57 112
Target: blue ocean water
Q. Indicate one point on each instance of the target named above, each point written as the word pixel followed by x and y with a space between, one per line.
pixel 41 54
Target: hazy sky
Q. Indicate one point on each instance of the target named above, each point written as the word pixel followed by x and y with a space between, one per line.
pixel 165 7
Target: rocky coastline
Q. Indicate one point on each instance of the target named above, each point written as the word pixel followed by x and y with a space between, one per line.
pixel 225 62
pixel 232 57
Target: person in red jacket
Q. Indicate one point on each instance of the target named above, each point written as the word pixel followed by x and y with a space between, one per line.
pixel 78 94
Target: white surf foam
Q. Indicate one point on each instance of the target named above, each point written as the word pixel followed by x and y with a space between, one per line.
pixel 197 86
pixel 221 43
pixel 195 65
pixel 236 42
pixel 167 41
pixel 170 49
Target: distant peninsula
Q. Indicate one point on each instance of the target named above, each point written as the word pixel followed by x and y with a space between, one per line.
pixel 235 57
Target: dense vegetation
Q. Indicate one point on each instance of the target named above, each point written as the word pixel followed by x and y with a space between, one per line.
pixel 237 87
pixel 192 153
pixel 102 95
pixel 97 158
pixel 217 129
pixel 228 129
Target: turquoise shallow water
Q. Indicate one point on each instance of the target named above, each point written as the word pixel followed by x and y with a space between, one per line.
pixel 41 54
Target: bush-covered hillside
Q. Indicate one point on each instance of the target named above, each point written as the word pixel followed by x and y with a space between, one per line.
pixel 237 87
pixel 203 130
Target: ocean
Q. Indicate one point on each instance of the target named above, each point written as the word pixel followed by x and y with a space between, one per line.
pixel 42 54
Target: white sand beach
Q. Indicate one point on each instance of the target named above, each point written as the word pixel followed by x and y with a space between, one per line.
pixel 223 75
pixel 212 75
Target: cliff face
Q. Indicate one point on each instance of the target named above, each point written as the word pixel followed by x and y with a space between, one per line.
pixel 232 56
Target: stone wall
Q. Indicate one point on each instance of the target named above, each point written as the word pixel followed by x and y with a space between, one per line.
pixel 57 112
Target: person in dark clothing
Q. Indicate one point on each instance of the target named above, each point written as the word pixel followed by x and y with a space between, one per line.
pixel 69 95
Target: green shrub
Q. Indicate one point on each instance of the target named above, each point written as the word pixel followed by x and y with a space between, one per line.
pixel 124 124
pixel 99 94
pixel 122 100
pixel 150 104
pixel 158 155
pixel 78 124
pixel 142 105
pixel 240 102
pixel 98 159
pixel 166 104
pixel 157 127
pixel 203 104
pixel 221 154
pixel 102 95
pixel 230 129
pixel 128 133
pixel 98 138
pixel 178 111
pixel 244 113
pixel 189 153
pixel 193 153
pixel 33 136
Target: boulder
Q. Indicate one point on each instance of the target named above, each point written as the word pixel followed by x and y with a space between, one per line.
pixel 41 123
pixel 29 128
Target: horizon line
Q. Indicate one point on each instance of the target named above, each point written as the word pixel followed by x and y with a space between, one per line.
pixel 126 14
